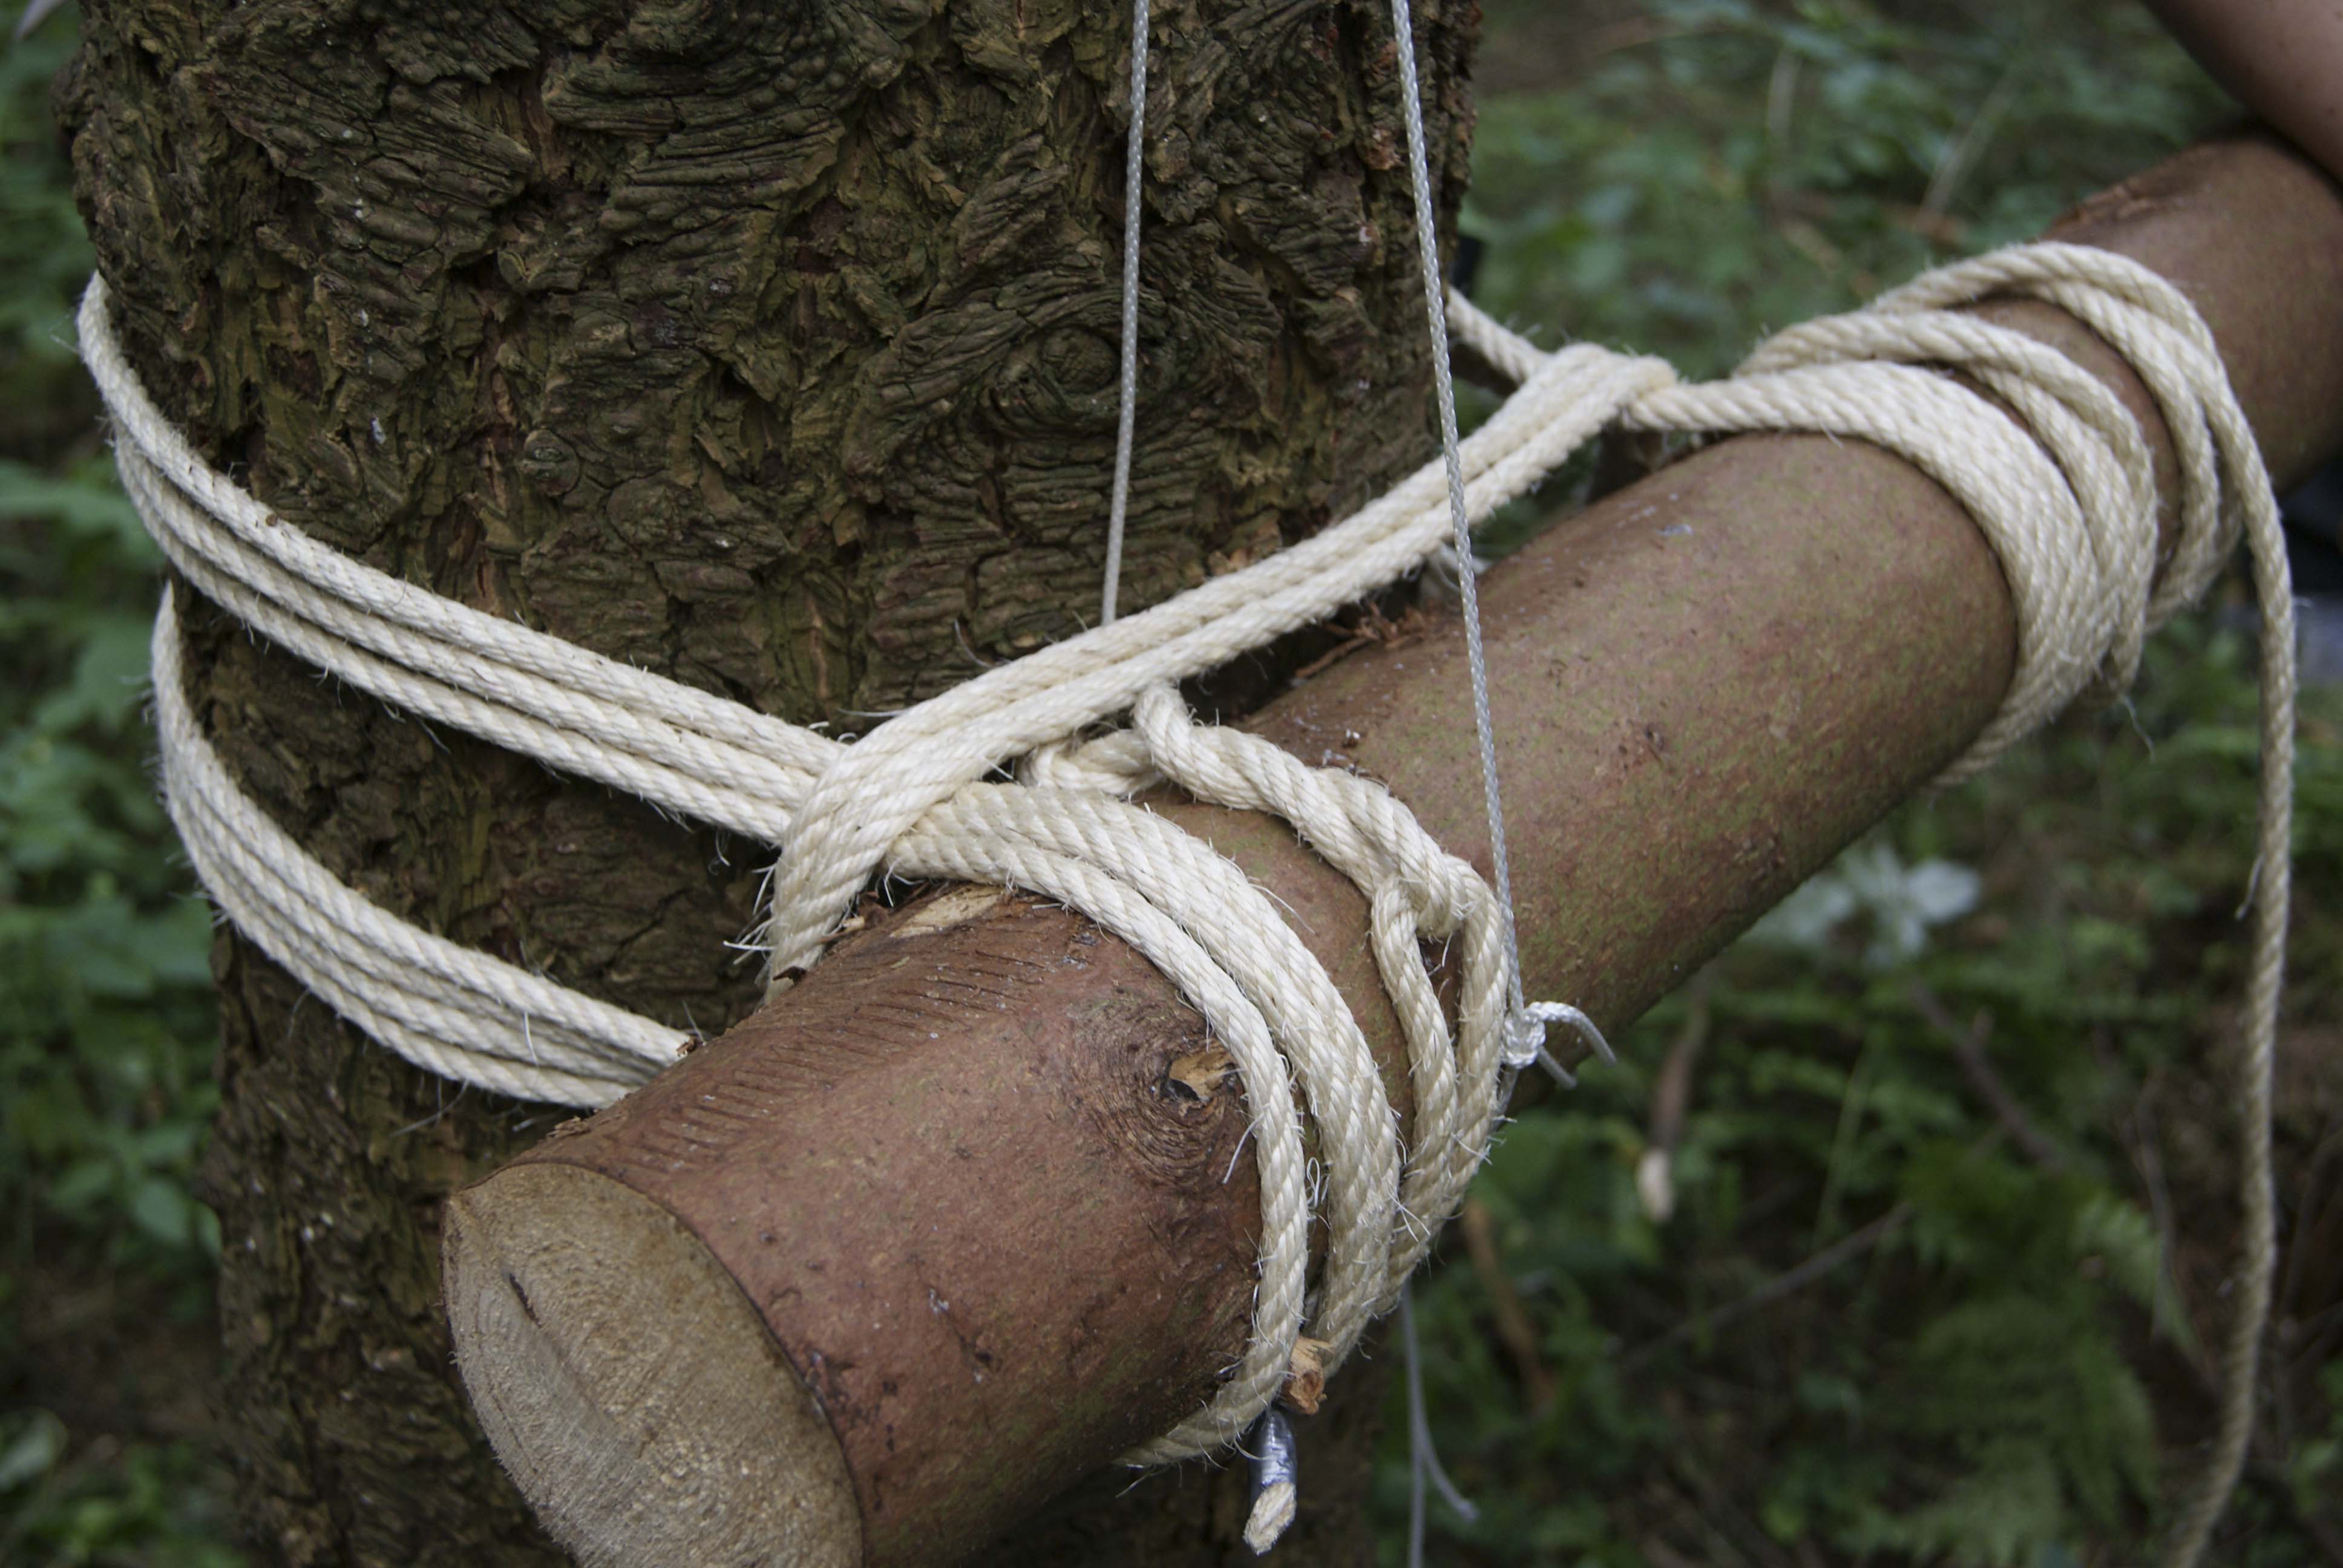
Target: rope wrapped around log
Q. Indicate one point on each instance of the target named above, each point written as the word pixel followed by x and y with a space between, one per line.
pixel 2052 468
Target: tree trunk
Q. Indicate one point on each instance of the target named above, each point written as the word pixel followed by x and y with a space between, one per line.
pixel 771 349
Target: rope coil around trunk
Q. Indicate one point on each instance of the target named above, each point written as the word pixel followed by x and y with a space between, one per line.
pixel 2055 474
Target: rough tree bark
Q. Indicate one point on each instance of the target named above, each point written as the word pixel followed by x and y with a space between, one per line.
pixel 770 349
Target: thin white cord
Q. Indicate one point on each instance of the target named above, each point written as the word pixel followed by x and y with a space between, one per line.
pixel 1411 1364
pixel 1524 1029
pixel 1126 418
pixel 1422 1458
pixel 1525 1039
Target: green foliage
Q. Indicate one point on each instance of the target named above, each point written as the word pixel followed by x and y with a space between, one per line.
pixel 44 254
pixel 104 1013
pixel 105 1026
pixel 1988 1359
pixel 146 1503
pixel 1732 167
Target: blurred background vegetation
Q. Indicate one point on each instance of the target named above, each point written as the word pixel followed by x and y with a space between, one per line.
pixel 1929 1272
pixel 1948 1209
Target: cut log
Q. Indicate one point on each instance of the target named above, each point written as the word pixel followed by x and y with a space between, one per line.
pixel 965 1180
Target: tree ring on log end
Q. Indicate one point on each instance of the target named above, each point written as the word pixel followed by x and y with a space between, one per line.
pixel 631 1389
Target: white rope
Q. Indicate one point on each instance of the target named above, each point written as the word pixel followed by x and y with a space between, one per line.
pixel 2058 482
pixel 451 1009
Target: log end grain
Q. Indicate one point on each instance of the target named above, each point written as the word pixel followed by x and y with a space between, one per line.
pixel 629 1387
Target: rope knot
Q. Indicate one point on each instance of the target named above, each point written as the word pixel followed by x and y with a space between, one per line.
pixel 1526 1045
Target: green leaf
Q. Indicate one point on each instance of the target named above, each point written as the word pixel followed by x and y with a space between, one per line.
pixel 32 1452
pixel 164 1212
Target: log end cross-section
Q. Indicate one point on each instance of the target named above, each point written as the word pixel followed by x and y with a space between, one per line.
pixel 629 1387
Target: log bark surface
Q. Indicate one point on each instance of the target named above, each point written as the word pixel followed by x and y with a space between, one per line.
pixel 965 1123
pixel 769 347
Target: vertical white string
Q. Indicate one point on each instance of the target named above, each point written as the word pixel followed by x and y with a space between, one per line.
pixel 1418 1427
pixel 1422 1460
pixel 1119 505
pixel 1523 1033
pixel 1274 1497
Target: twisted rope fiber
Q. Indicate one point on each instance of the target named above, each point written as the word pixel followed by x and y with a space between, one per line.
pixel 2067 499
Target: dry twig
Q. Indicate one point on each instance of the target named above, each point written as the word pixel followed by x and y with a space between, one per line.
pixel 1671 1097
pixel 1515 1330
pixel 1969 1047
pixel 1786 1283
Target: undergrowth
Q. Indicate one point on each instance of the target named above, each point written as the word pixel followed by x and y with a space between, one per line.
pixel 105 1019
pixel 1945 1232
